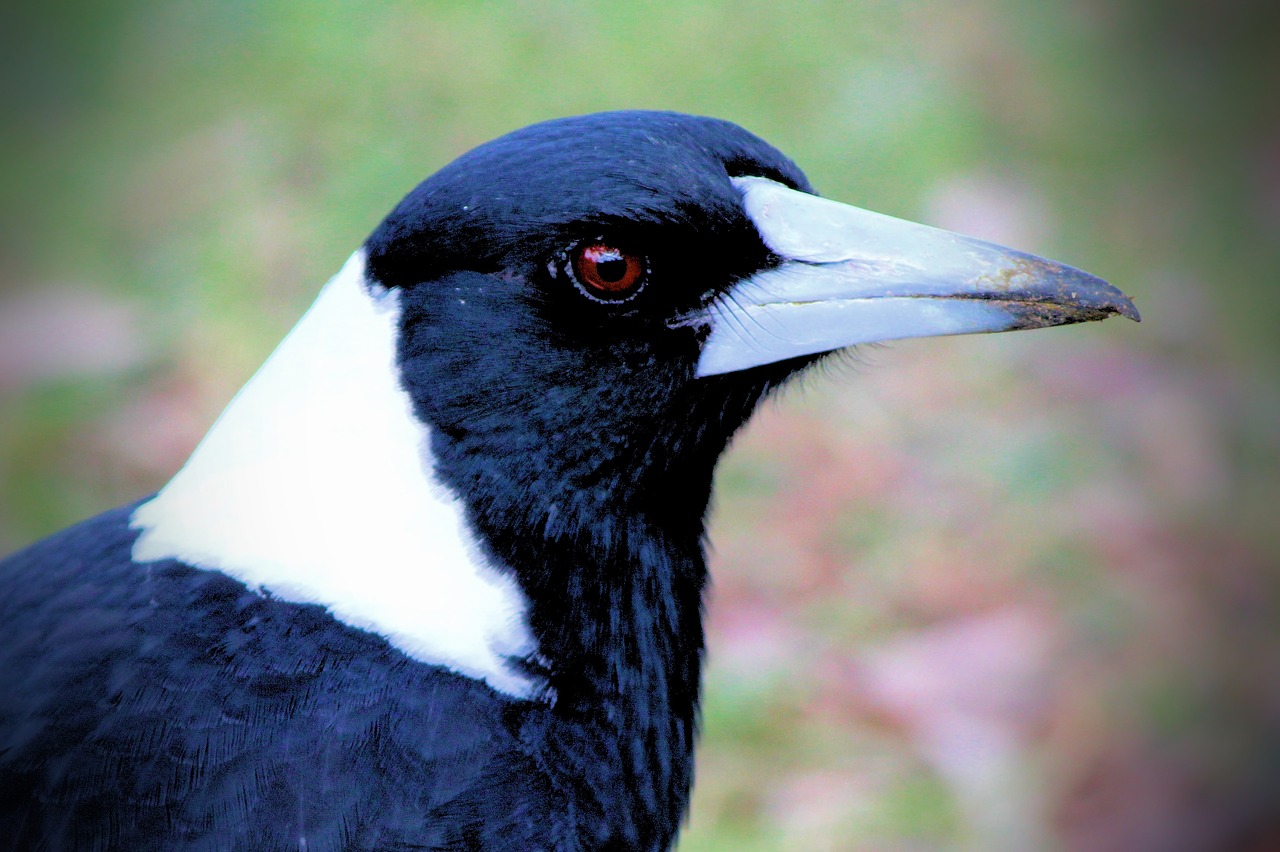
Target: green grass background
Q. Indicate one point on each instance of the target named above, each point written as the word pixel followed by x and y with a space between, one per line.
pixel 996 592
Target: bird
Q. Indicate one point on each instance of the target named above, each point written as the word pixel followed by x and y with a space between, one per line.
pixel 434 579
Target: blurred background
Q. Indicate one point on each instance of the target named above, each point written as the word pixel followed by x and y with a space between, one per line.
pixel 1002 592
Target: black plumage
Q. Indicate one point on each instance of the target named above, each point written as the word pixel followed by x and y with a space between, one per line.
pixel 164 705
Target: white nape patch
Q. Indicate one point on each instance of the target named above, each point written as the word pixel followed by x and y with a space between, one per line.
pixel 317 485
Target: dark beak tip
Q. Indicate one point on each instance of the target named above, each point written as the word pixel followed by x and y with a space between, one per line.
pixel 1108 297
pixel 1128 309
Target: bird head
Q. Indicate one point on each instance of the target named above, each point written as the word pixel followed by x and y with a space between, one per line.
pixel 593 305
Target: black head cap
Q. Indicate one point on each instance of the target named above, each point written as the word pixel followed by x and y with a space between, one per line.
pixel 547 182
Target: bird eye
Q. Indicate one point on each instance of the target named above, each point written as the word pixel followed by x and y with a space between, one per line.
pixel 606 273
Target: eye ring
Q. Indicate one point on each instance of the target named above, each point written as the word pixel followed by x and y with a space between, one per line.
pixel 605 273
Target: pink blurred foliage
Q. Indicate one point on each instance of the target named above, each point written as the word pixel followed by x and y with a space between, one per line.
pixel 1088 664
pixel 52 332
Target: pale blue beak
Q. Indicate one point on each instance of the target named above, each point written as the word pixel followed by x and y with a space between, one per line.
pixel 850 276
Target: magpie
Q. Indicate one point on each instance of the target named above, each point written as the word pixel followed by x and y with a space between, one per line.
pixel 434 578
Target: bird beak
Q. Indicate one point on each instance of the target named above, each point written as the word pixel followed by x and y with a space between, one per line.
pixel 851 276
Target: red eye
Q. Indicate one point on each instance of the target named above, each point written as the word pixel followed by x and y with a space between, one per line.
pixel 606 272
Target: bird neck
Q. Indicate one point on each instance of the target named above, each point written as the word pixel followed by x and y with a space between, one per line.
pixel 621 636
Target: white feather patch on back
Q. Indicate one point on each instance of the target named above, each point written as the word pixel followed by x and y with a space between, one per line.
pixel 317 485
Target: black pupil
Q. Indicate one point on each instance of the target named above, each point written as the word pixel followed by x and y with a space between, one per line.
pixel 611 268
